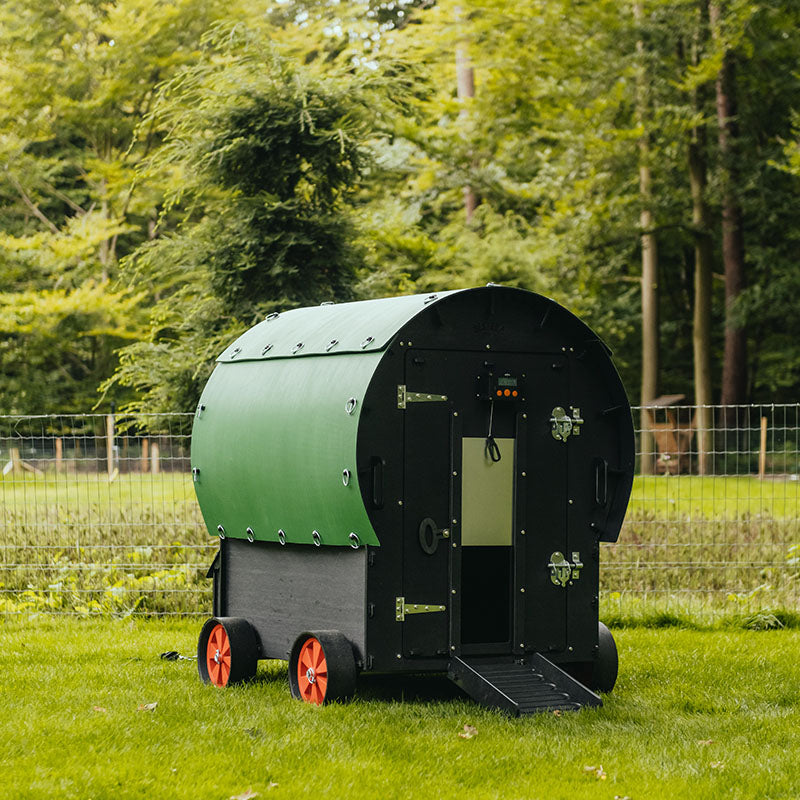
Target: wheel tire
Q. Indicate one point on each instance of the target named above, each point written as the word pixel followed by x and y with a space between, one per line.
pixel 322 667
pixel 227 651
pixel 606 665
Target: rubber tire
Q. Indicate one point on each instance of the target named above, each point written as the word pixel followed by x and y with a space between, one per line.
pixel 341 663
pixel 606 665
pixel 245 650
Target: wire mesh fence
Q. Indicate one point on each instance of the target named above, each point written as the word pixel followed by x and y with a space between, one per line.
pixel 99 514
pixel 712 524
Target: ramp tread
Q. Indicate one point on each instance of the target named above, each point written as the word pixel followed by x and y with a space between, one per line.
pixel 520 686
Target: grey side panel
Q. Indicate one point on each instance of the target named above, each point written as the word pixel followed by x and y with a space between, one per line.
pixel 284 591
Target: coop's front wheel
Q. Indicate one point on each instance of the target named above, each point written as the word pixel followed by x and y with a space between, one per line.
pixel 227 651
pixel 322 667
pixel 606 664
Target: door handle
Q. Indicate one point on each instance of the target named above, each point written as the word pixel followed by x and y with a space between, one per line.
pixel 430 534
pixel 600 481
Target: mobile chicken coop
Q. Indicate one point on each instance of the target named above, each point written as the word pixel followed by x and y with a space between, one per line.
pixel 415 484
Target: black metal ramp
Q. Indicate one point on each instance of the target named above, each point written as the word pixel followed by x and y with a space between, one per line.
pixel 522 686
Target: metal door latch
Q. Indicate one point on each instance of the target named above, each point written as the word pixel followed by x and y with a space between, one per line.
pixel 402 608
pixel 563 424
pixel 562 572
pixel 404 397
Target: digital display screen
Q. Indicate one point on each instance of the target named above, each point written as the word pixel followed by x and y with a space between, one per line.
pixel 507 381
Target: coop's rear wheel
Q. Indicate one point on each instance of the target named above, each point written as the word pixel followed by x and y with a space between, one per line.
pixel 227 651
pixel 606 665
pixel 322 667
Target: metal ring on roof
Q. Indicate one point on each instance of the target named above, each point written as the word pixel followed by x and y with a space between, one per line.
pixel 272 316
pixel 297 348
pixel 235 352
pixel 331 344
pixel 367 342
pixel 315 535
pixel 430 298
pixel 346 477
pixel 354 541
pixel 281 536
pixel 221 531
pixel 250 535
pixel 327 303
pixel 267 348
pixel 350 405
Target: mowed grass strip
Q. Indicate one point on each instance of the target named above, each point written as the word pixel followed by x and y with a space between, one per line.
pixel 696 714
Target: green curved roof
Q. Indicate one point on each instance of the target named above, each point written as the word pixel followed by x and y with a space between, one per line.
pixel 363 326
pixel 273 433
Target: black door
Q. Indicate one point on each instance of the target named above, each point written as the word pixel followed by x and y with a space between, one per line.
pixel 485 503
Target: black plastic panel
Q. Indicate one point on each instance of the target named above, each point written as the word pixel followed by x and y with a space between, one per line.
pixel 283 591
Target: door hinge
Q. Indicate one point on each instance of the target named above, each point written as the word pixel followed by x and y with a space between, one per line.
pixel 562 424
pixel 402 608
pixel 562 572
pixel 404 397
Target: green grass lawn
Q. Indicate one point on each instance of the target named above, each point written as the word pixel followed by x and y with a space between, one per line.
pixel 696 714
pixel 714 497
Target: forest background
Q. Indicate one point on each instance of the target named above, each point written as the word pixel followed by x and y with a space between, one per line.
pixel 173 170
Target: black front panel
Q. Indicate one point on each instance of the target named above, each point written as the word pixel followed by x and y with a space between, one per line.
pixel 536 588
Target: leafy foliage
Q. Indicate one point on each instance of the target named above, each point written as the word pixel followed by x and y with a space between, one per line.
pixel 269 160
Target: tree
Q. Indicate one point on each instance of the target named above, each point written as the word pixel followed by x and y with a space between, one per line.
pixel 268 160
pixel 77 82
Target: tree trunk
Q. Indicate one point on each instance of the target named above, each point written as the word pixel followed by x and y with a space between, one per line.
pixel 734 364
pixel 465 84
pixel 703 257
pixel 650 322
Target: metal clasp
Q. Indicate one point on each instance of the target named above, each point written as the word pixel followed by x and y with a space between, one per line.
pixel 562 572
pixel 563 425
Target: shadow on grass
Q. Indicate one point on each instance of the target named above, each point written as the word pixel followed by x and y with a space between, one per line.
pixel 419 688
pixel 387 688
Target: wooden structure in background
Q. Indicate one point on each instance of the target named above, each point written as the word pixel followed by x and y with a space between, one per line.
pixel 673 436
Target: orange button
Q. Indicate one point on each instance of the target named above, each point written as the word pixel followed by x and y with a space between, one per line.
pixel 499 393
pixel 507 393
pixel 514 393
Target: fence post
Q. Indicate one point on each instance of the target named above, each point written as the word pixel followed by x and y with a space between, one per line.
pixel 154 459
pixel 110 444
pixel 59 453
pixel 145 451
pixel 762 450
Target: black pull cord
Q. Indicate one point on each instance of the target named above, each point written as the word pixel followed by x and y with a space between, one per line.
pixel 492 448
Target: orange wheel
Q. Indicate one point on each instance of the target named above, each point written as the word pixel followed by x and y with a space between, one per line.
pixel 218 656
pixel 227 651
pixel 312 672
pixel 322 667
